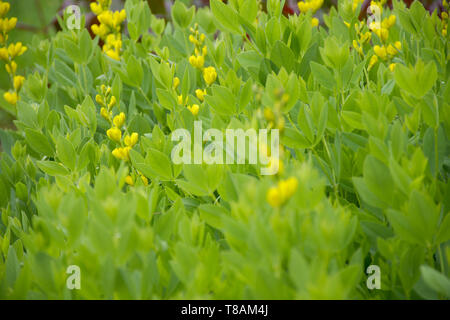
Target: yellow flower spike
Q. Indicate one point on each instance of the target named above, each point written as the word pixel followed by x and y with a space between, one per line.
pixel 392 67
pixel 444 15
pixel 129 181
pixel 144 180
pixel 398 45
pixel 114 134
pixel 176 82
pixel 18 82
pixel 103 88
pixel 372 62
pixel 4 54
pixel 314 22
pixel 112 102
pixel 273 197
pixel 209 75
pixel 194 109
pixel 130 141
pixel 204 51
pixel 200 94
pixel 105 114
pixel 119 120
pixel 202 37
pixel 11 97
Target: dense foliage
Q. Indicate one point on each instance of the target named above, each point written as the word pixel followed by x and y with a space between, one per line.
pixel 363 111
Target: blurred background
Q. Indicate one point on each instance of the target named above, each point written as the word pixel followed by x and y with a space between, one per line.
pixel 37 18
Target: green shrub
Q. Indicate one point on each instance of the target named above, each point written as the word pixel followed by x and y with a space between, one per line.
pixel 363 113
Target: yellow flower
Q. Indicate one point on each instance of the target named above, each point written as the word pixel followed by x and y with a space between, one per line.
pixel 16 50
pixel 180 99
pixel 309 5
pixel 314 22
pixel 130 141
pixel 268 114
pixel 11 97
pixel 274 197
pixel 391 50
pixel 4 54
pixel 144 180
pixel 6 25
pixel 18 82
pixel 129 180
pixel 113 54
pixel 194 109
pixel 200 94
pixel 274 163
pixel 122 153
pixel 192 39
pixel 99 100
pixel 204 51
pixel 4 8
pixel 114 134
pixel 197 61
pixel 105 114
pixel 365 37
pixel 357 47
pixel 112 102
pixel 100 30
pixel 380 51
pixel 176 82
pixel 119 120
pixel 392 67
pixel 11 68
pixel 398 45
pixel 210 75
pixel 372 62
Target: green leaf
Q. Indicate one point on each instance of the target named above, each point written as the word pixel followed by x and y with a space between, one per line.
pixel 52 168
pixel 225 15
pixel 181 15
pixel 66 152
pixel 222 100
pixel 160 163
pixel 436 280
pixel 39 142
pixel 322 75
pixel 282 56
